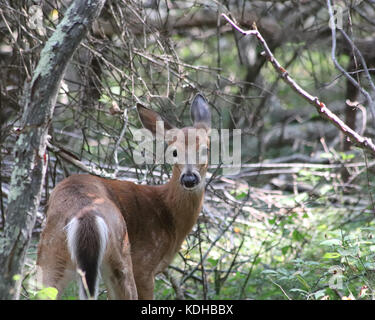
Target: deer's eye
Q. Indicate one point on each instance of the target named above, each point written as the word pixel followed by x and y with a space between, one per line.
pixel 175 153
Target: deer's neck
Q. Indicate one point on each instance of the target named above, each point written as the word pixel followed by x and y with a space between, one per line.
pixel 184 205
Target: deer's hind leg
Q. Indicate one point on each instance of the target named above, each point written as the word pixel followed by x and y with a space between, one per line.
pixel 117 272
pixel 54 267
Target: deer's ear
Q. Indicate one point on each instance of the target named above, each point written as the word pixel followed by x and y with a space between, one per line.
pixel 200 111
pixel 151 119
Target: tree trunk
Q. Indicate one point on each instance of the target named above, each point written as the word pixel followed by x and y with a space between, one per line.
pixel 30 150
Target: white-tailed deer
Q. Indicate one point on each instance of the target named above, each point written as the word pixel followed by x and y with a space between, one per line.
pixel 126 232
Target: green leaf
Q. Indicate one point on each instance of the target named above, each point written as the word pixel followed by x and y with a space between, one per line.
pixel 319 294
pixel 346 156
pixel 105 99
pixel 304 292
pixel 348 252
pixel 213 261
pixel 16 277
pixel 322 227
pixel 331 242
pixel 298 236
pixel 269 271
pixel 325 189
pixel 303 281
pixel 116 90
pixel 285 250
pixel 331 255
pixel 301 197
pixel 49 293
pixel 272 221
pixel 240 195
pixel 288 201
pixel 325 155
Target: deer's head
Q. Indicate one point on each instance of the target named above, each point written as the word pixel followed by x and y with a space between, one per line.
pixel 187 147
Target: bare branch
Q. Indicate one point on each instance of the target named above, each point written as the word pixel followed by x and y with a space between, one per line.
pixel 363 142
pixel 338 66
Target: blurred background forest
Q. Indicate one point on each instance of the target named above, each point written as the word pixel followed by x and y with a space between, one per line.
pixel 297 222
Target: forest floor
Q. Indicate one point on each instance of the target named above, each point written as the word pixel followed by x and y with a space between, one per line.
pixel 276 231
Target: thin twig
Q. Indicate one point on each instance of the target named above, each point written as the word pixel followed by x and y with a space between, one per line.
pixel 338 66
pixel 213 243
pixel 280 287
pixel 363 142
pixel 115 153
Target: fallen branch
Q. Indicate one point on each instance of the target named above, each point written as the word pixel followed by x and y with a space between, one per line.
pixel 363 142
pixel 79 164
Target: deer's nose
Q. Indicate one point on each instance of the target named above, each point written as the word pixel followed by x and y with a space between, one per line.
pixel 189 180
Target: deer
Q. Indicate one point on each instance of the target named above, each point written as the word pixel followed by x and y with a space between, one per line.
pixel 119 231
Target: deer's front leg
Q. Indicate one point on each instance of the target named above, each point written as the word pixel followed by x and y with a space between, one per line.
pixel 145 283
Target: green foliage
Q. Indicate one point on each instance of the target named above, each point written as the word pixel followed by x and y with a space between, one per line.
pixel 46 294
pixel 307 248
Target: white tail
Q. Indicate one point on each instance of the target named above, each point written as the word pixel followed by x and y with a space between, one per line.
pixel 126 232
pixel 87 240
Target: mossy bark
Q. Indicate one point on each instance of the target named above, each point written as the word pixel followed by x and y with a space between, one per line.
pixel 30 150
